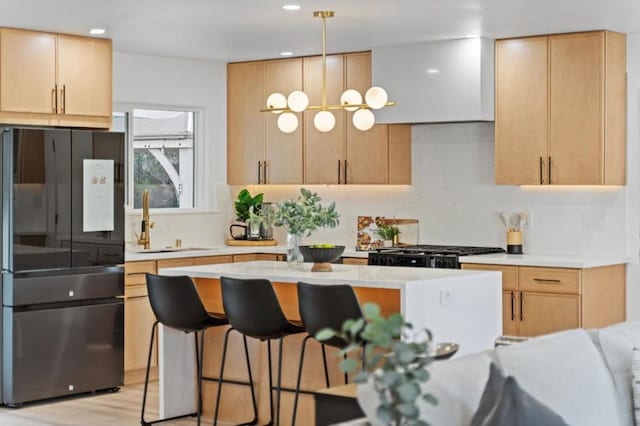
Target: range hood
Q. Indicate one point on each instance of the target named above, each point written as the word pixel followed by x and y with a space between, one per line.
pixel 438 81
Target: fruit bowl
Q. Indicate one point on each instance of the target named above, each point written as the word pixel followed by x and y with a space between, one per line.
pixel 321 256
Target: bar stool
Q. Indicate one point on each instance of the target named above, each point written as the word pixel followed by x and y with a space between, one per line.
pixel 176 304
pixel 324 306
pixel 253 310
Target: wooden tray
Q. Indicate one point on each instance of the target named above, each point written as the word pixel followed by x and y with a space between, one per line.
pixel 248 243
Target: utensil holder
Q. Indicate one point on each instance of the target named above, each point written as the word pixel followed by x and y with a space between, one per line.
pixel 514 242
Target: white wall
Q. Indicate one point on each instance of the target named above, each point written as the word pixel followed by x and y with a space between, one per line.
pixel 159 82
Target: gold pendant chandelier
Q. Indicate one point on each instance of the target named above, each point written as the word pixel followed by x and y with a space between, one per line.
pixel 324 120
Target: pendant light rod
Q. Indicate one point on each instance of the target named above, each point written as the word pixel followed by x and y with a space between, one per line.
pixel 324 14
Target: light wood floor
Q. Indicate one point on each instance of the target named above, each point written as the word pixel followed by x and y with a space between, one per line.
pixel 106 409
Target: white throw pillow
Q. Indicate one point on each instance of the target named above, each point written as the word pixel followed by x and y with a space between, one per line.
pixel 457 385
pixel 617 343
pixel 635 371
pixel 566 372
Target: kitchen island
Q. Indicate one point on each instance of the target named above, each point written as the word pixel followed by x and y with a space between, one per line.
pixel 457 306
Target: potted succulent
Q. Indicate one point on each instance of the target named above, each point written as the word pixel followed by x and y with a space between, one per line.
pixel 396 362
pixel 301 217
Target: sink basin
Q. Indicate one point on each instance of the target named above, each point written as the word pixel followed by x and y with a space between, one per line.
pixel 171 249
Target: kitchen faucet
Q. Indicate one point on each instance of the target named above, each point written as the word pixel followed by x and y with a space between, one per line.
pixel 144 239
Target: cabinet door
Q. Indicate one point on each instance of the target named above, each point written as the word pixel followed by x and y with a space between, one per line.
pixel 576 127
pixel 245 122
pixel 510 300
pixel 399 154
pixel 322 151
pixel 138 320
pixel 27 71
pixel 543 313
pixel 367 152
pixel 84 76
pixel 521 111
pixel 283 150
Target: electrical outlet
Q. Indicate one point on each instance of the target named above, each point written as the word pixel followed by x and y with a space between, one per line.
pixel 446 297
pixel 592 221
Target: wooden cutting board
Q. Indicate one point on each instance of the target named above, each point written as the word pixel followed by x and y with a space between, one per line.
pixel 248 243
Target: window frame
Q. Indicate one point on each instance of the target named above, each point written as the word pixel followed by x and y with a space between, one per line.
pixel 198 148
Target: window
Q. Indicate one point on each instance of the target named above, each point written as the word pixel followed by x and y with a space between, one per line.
pixel 161 153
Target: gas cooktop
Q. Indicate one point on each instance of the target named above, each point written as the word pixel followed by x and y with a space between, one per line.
pixel 427 256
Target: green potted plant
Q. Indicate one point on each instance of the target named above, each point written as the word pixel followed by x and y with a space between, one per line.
pixel 389 234
pixel 245 202
pixel 396 362
pixel 302 216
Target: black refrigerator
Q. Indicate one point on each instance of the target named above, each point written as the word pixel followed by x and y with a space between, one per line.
pixel 62 262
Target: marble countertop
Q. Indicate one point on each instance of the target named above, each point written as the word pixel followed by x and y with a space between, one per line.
pixel 132 256
pixel 579 262
pixel 356 275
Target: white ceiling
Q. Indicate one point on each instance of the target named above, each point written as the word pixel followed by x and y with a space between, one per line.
pixel 256 29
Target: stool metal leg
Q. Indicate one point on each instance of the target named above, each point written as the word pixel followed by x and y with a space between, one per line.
pixel 221 377
pixel 199 362
pixel 146 376
pixel 270 383
pixel 324 362
pixel 253 392
pixel 279 386
pixel 295 399
pixel 346 376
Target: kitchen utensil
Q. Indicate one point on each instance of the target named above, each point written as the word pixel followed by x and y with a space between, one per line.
pixel 505 219
pixel 515 218
pixel 524 219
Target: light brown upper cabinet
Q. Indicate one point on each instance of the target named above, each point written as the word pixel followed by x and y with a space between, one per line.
pixel 84 74
pixel 245 125
pixel 367 155
pixel 561 109
pixel 283 151
pixel 259 153
pixel 324 153
pixel 54 79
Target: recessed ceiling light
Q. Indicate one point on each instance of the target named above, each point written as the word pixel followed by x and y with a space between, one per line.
pixel 471 36
pixel 291 7
pixel 286 53
pixel 433 70
pixel 97 31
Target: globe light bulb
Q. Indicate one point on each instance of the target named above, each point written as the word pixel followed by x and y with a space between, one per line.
pixel 276 101
pixel 351 97
pixel 376 97
pixel 324 121
pixel 298 101
pixel 287 122
pixel 363 119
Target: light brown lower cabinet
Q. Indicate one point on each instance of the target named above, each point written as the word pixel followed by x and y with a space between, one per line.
pixel 537 300
pixel 139 319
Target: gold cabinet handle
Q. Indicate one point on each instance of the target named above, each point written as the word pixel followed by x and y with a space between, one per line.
pixel 513 306
pixel 264 172
pixel 549 170
pixel 54 99
pixel 541 174
pixel 339 171
pixel 259 172
pixel 346 180
pixel 63 98
pixel 521 307
pixel 546 280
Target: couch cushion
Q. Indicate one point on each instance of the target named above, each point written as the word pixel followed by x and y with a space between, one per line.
pixel 457 385
pixel 617 343
pixel 505 403
pixel 565 372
